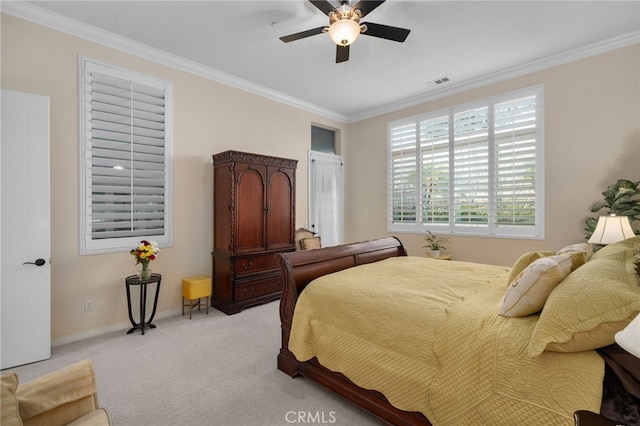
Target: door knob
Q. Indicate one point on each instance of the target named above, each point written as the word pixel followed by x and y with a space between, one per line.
pixel 38 262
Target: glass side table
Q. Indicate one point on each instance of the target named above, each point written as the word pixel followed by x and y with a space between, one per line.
pixel 135 280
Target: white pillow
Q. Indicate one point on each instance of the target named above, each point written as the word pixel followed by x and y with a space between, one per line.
pixel 528 292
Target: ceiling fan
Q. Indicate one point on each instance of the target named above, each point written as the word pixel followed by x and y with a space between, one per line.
pixel 344 25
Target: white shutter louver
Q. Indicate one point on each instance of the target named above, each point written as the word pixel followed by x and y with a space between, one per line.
pixel 125 161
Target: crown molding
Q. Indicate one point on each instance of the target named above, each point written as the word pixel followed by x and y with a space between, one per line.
pixel 76 28
pixel 85 31
pixel 506 74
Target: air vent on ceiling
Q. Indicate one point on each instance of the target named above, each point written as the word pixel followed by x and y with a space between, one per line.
pixel 438 82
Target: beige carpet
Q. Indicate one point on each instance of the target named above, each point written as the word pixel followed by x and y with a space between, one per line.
pixel 212 370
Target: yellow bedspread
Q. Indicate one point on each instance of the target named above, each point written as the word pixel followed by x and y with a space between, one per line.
pixel 426 334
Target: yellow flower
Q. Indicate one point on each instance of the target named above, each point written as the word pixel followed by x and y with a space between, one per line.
pixel 145 251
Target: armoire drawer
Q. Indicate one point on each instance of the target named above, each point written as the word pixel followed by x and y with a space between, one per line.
pixel 258 287
pixel 252 264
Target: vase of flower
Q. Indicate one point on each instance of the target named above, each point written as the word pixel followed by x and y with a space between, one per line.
pixel 144 253
pixel 145 272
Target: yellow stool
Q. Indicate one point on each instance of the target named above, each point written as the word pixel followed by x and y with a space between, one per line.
pixel 195 288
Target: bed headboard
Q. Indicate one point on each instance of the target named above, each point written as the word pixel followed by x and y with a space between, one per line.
pixel 302 267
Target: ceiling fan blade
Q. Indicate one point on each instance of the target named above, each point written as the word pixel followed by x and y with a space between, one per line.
pixel 323 5
pixel 367 6
pixel 302 34
pixel 386 31
pixel 342 54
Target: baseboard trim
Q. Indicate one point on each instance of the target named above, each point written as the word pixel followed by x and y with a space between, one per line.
pixel 108 329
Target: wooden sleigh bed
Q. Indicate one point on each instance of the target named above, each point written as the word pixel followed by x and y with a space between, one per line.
pixel 301 268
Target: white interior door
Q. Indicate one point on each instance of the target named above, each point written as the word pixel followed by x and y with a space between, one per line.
pixel 25 273
pixel 326 199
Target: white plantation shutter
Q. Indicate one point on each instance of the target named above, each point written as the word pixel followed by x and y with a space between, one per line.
pixel 471 167
pixel 434 160
pixel 479 167
pixel 125 161
pixel 403 171
pixel 515 162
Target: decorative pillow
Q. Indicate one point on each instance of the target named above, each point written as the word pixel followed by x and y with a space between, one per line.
pixel 528 292
pixel 10 415
pixel 311 243
pixel 592 339
pixel 524 261
pixel 585 248
pixel 593 303
pixel 59 397
pixel 580 254
pixel 618 250
pixel 578 259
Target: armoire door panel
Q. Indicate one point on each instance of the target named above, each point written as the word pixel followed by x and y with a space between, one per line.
pixel 280 210
pixel 250 211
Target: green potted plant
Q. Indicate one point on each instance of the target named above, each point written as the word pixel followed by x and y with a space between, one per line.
pixel 435 243
pixel 621 198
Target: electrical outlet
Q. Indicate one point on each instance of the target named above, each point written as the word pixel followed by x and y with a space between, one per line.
pixel 88 305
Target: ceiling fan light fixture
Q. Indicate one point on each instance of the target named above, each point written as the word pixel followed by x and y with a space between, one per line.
pixel 344 32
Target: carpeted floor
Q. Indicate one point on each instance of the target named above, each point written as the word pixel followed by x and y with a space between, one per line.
pixel 212 370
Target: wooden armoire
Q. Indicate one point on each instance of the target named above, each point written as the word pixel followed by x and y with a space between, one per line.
pixel 253 221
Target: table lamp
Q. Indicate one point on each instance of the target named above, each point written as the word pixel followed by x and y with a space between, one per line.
pixel 611 229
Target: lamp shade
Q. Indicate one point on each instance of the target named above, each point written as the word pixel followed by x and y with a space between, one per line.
pixel 344 32
pixel 611 229
pixel 629 337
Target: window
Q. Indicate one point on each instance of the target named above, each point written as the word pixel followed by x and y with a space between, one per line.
pixel 472 169
pixel 323 140
pixel 125 159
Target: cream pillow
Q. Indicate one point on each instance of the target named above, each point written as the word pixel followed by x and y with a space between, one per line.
pixel 528 292
pixel 585 248
pixel 525 260
pixel 311 243
pixel 580 254
pixel 593 303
